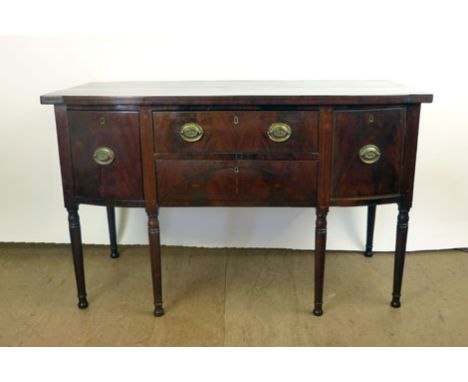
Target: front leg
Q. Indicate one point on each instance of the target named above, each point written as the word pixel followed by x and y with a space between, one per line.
pixel 400 252
pixel 155 254
pixel 112 232
pixel 77 251
pixel 320 247
pixel 370 230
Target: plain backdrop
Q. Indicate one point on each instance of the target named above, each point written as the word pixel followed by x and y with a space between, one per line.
pixel 422 46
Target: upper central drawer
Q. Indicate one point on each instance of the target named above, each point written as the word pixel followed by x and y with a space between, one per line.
pixel 235 131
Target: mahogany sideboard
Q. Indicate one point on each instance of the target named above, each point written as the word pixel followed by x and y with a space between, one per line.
pixel 238 143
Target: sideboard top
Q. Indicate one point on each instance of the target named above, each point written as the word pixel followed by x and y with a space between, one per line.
pixel 179 93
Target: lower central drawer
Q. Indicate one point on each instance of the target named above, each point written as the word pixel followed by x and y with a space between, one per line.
pixel 236 182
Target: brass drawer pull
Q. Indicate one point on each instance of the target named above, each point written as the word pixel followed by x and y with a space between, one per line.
pixel 369 154
pixel 103 156
pixel 191 132
pixel 279 132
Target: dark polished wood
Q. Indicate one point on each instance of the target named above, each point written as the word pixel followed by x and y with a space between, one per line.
pixel 211 93
pixel 112 232
pixel 320 245
pixel 236 132
pixel 77 251
pixel 235 162
pixel 352 131
pixel 120 180
pixel 370 230
pixel 400 252
pixel 241 182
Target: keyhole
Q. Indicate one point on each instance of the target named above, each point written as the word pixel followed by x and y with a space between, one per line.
pixel 236 170
pixel 371 118
pixel 236 120
pixel 102 121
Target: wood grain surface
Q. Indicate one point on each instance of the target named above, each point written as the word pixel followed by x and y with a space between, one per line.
pixel 237 92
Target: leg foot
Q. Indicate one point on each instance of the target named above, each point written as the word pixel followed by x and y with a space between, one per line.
pixel 318 310
pixel 158 310
pixel 395 302
pixel 369 253
pixel 114 253
pixel 82 302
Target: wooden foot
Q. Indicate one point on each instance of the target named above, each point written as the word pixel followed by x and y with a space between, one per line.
pixel 82 302
pixel 158 310
pixel 370 230
pixel 320 244
pixel 318 310
pixel 77 251
pixel 400 252
pixel 112 232
pixel 395 302
pixel 155 254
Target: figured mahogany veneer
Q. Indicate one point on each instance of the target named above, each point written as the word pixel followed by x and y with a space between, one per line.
pixel 118 130
pixel 235 131
pixel 236 182
pixel 345 143
pixel 353 129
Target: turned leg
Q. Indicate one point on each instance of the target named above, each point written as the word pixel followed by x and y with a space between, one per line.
pixel 320 245
pixel 400 251
pixel 370 230
pixel 155 253
pixel 112 232
pixel 77 250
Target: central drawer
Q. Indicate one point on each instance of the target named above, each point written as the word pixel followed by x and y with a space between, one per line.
pixel 236 182
pixel 235 131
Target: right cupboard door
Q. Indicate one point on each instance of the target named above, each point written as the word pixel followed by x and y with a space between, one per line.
pixel 367 152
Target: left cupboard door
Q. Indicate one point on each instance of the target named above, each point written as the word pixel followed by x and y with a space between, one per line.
pixel 105 148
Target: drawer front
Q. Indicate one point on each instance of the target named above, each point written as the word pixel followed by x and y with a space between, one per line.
pixel 253 131
pixel 277 182
pixel 233 131
pixel 97 135
pixel 367 152
pixel 237 182
pixel 217 136
pixel 195 182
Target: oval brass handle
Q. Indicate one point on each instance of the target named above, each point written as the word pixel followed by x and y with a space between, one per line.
pixel 279 132
pixel 369 154
pixel 103 156
pixel 191 132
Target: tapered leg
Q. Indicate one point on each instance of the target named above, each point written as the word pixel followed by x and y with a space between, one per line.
pixel 155 253
pixel 320 246
pixel 370 230
pixel 77 250
pixel 112 232
pixel 400 251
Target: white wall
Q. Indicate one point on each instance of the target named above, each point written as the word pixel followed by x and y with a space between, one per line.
pixel 422 47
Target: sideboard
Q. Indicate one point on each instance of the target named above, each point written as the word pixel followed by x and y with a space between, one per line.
pixel 238 143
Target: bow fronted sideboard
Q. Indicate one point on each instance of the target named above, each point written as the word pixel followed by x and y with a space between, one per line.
pixel 238 143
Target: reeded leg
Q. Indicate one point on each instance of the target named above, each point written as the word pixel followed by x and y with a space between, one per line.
pixel 400 251
pixel 370 230
pixel 320 246
pixel 155 253
pixel 112 232
pixel 77 250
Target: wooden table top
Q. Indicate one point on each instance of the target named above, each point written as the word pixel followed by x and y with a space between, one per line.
pixel 237 93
